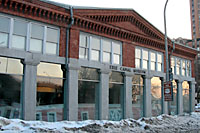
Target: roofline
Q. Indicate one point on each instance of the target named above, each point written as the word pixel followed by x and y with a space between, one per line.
pixel 186 46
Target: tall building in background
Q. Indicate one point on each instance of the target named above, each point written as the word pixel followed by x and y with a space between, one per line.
pixel 195 28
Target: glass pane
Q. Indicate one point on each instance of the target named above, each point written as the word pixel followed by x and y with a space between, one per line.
pixel 83 41
pixel 10 95
pixel 50 98
pixel 18 42
pixel 36 45
pixel 137 101
pixel 49 70
pixel 20 28
pixel 183 67
pixel 83 53
pixel 178 65
pixel 116 48
pixel 138 53
pixel 116 77
pixel 9 65
pixel 172 64
pixel 51 48
pixel 106 57
pixel 3 39
pixel 144 64
pixel 156 96
pixel 115 104
pixel 4 24
pixel 87 100
pixel 145 55
pixel 174 102
pixel 153 57
pixel 153 66
pixel 52 35
pixel 37 31
pixel 137 63
pixel 106 45
pixel 186 97
pixel 95 43
pixel 159 68
pixel 116 59
pixel 188 68
pixel 95 55
pixel 159 58
pixel 88 74
pixel 137 80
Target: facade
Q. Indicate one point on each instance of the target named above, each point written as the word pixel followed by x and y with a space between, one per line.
pixel 195 28
pixel 62 63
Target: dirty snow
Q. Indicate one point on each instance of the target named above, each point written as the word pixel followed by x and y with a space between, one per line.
pixel 163 123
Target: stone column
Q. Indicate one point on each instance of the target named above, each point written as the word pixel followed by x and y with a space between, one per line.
pixel 180 97
pixel 147 96
pixel 29 88
pixel 71 91
pixel 104 94
pixel 127 95
pixel 192 96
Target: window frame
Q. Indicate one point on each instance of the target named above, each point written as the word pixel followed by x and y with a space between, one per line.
pixel 101 52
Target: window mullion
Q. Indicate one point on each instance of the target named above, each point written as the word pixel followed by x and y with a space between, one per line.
pixel 112 56
pixel 141 63
pixel 44 40
pixel 101 51
pixel 58 40
pixel 89 47
pixel 10 33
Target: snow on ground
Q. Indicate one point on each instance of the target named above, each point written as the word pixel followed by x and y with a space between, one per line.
pixel 163 123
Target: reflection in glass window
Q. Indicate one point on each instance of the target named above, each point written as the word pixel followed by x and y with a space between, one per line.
pixel 52 41
pixel 88 85
pixel 83 46
pixel 188 68
pixel 156 96
pixel 116 53
pixel 183 68
pixel 19 34
pixel 174 102
pixel 95 48
pixel 50 90
pixel 106 51
pixel 173 65
pixel 153 61
pixel 159 60
pixel 178 66
pixel 37 32
pixel 137 96
pixel 186 97
pixel 145 59
pixel 4 31
pixel 115 96
pixel 11 73
pixel 137 58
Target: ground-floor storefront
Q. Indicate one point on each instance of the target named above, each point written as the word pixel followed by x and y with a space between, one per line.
pixel 34 86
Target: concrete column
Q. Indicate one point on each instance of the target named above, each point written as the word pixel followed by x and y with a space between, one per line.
pixel 127 95
pixel 192 95
pixel 29 88
pixel 147 96
pixel 103 94
pixel 180 97
pixel 71 92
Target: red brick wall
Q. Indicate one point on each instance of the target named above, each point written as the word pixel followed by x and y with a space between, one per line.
pixel 62 44
pixel 74 44
pixel 128 55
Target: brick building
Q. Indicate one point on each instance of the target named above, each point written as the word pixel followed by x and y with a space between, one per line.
pixel 58 62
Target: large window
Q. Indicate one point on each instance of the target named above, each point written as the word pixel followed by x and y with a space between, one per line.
pixel 25 35
pixel 186 97
pixel 49 92
pixel 156 96
pixel 175 98
pixel 88 86
pixel 180 66
pixel 11 73
pixel 137 96
pixel 101 49
pixel 153 62
pixel 116 96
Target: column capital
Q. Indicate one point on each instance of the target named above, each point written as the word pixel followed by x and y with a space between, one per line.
pixel 31 61
pixel 128 74
pixel 104 71
pixel 147 77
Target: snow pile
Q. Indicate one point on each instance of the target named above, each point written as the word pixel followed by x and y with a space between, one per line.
pixel 162 123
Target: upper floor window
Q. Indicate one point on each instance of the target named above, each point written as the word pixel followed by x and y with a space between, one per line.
pixel 180 66
pixel 97 48
pixel 147 59
pixel 29 36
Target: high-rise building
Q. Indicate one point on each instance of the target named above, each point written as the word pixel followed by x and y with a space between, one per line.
pixel 195 28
